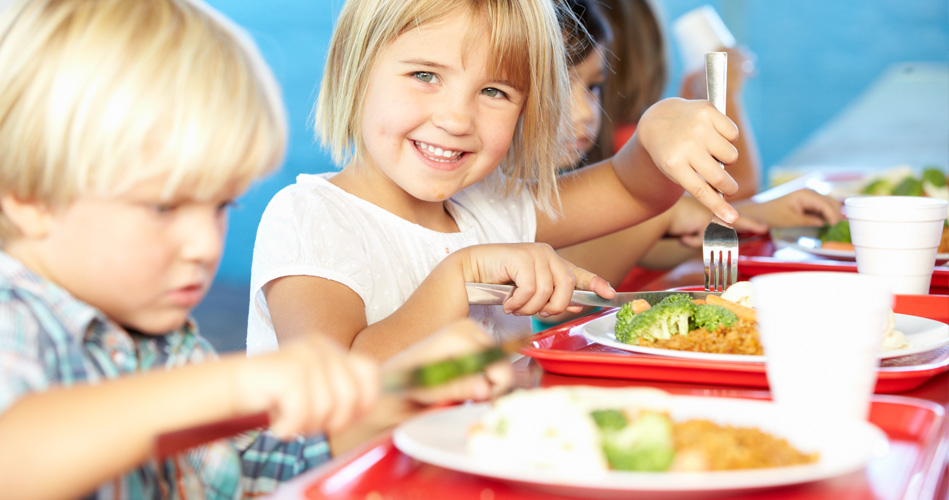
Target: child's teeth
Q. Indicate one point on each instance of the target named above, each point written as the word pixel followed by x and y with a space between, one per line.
pixel 445 153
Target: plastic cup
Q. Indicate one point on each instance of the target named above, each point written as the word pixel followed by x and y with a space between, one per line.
pixel 698 31
pixel 897 237
pixel 821 334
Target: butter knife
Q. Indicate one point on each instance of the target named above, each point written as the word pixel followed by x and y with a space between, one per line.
pixel 492 294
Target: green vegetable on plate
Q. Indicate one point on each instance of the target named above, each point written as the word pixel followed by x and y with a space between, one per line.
pixel 676 314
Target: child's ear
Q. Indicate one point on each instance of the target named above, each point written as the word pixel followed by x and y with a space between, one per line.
pixel 32 219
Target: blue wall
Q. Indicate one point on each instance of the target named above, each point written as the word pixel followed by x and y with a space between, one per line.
pixel 813 57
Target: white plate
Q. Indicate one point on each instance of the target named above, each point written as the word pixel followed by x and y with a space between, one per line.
pixel 923 334
pixel 805 239
pixel 438 437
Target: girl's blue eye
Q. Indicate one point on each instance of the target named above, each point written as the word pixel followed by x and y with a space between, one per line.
pixel 493 92
pixel 424 76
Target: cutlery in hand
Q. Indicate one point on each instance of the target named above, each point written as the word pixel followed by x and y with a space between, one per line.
pixel 493 294
pixel 720 241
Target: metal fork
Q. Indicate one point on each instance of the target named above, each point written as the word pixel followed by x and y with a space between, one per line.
pixel 720 242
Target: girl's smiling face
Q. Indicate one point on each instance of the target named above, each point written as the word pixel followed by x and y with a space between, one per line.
pixel 436 119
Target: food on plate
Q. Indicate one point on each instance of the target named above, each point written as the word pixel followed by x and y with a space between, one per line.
pixel 739 293
pixel 903 181
pixel 893 339
pixel 589 430
pixel 836 236
pixel 673 315
pixel 725 324
pixel 677 322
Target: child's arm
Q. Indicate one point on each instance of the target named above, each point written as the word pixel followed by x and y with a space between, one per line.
pixel 677 144
pixel 301 306
pixel 803 207
pixel 85 435
pixel 456 339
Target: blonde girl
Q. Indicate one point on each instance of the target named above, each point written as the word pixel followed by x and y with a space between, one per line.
pixel 448 119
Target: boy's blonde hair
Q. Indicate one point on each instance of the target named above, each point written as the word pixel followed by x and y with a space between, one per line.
pixel 528 50
pixel 96 95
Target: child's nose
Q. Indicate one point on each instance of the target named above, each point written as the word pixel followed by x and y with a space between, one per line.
pixel 454 116
pixel 584 107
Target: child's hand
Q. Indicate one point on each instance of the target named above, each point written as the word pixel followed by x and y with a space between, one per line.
pixel 457 339
pixel 544 280
pixel 803 207
pixel 689 220
pixel 311 385
pixel 686 140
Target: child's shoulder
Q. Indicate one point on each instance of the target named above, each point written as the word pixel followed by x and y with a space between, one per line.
pixel 20 285
pixel 37 311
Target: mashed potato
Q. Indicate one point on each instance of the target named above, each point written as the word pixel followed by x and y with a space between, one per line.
pixel 552 429
pixel 739 293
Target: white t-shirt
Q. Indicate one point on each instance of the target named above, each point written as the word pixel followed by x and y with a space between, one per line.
pixel 313 228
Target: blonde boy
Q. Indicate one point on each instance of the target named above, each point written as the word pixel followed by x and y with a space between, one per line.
pixel 126 129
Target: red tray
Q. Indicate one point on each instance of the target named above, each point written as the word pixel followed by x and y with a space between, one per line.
pixel 918 432
pixel 758 255
pixel 563 349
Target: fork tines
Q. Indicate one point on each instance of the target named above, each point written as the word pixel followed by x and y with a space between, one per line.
pixel 720 255
pixel 721 270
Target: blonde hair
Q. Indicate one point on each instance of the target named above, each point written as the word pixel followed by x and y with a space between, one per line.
pixel 96 95
pixel 528 50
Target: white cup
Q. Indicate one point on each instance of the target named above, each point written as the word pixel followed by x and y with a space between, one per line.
pixel 698 31
pixel 821 334
pixel 896 237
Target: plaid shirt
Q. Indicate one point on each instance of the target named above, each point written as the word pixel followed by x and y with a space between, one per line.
pixel 49 338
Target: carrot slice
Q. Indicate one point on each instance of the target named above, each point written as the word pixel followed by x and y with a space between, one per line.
pixel 837 245
pixel 739 310
pixel 640 305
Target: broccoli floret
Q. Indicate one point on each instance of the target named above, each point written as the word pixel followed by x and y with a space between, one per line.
pixel 878 187
pixel 909 186
pixel 712 317
pixel 676 298
pixel 838 232
pixel 609 420
pixel 646 444
pixel 934 176
pixel 668 317
pixel 624 319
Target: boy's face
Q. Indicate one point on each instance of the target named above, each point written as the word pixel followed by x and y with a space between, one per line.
pixel 144 262
pixel 435 120
pixel 586 112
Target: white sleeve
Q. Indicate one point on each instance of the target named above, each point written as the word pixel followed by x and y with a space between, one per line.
pixel 302 234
